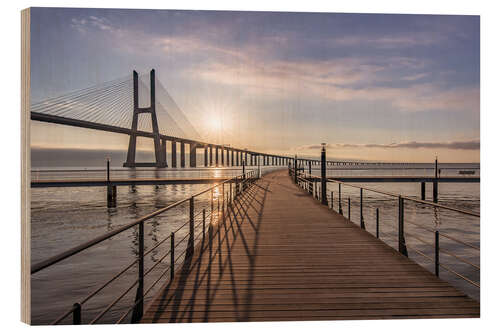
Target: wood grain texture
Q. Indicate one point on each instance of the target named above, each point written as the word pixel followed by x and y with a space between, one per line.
pixel 25 167
pixel 280 255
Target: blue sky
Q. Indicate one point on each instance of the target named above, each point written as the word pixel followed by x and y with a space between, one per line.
pixel 385 87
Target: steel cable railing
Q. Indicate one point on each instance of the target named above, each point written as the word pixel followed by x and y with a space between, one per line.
pixel 234 186
pixel 308 183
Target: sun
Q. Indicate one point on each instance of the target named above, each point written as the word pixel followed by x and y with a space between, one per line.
pixel 215 124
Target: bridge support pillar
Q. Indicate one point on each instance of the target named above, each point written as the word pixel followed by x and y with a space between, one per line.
pixel 216 156
pixel 174 154
pixel 183 155
pixel 222 156
pixel 211 155
pixel 232 157
pixel 192 155
pixel 206 156
pixel 131 154
pixel 422 190
pixel 227 157
pixel 164 151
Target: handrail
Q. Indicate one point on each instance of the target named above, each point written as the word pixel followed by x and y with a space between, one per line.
pixel 406 198
pixel 68 253
pixel 239 180
pixel 461 242
pixel 304 181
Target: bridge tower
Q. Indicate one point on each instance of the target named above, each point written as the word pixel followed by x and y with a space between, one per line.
pixel 161 159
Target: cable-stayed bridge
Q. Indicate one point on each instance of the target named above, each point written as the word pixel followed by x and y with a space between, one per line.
pixel 114 106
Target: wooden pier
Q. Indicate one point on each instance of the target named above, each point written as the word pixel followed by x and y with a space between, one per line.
pixel 278 254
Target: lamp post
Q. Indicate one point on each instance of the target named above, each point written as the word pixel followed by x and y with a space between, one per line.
pixel 324 199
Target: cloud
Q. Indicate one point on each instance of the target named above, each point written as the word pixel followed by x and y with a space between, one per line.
pixel 390 41
pixel 415 77
pixel 255 69
pixel 456 145
pixel 334 80
pixel 85 24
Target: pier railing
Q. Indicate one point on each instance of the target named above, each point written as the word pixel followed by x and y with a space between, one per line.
pixel 431 251
pixel 220 196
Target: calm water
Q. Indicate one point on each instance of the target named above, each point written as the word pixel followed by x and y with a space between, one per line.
pixel 65 217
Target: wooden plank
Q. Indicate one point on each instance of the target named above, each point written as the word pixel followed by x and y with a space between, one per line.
pixel 280 255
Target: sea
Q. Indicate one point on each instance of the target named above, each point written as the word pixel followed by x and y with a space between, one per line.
pixel 64 217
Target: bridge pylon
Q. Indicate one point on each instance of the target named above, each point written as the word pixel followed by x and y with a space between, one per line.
pixel 161 159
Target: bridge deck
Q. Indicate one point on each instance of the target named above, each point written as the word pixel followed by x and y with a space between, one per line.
pixel 280 255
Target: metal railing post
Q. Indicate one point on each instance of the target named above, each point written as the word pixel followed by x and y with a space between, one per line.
pixel 401 233
pixel 340 199
pixel 190 248
pixel 204 218
pixel 361 219
pixel 210 236
pixel 295 169
pixel 349 208
pixel 172 256
pixel 377 222
pixel 435 183
pixel 436 252
pixel 77 314
pixel 139 296
pixel 211 201
pixel 324 199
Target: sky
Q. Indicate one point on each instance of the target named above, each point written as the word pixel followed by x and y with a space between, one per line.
pixel 371 86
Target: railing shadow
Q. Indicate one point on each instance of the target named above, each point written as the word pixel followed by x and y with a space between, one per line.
pixel 205 272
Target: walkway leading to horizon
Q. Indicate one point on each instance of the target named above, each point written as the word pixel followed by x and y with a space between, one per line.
pixel 280 255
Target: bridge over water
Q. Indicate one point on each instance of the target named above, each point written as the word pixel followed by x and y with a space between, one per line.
pixel 115 107
pixel 264 248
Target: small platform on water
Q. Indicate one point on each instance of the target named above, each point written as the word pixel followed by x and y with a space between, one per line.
pixel 281 255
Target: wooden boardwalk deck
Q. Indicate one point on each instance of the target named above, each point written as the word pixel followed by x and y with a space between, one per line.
pixel 280 255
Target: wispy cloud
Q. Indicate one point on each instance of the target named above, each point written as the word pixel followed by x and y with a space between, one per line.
pixel 257 71
pixel 461 145
pixel 415 77
pixel 390 42
pixel 84 24
pixel 334 79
